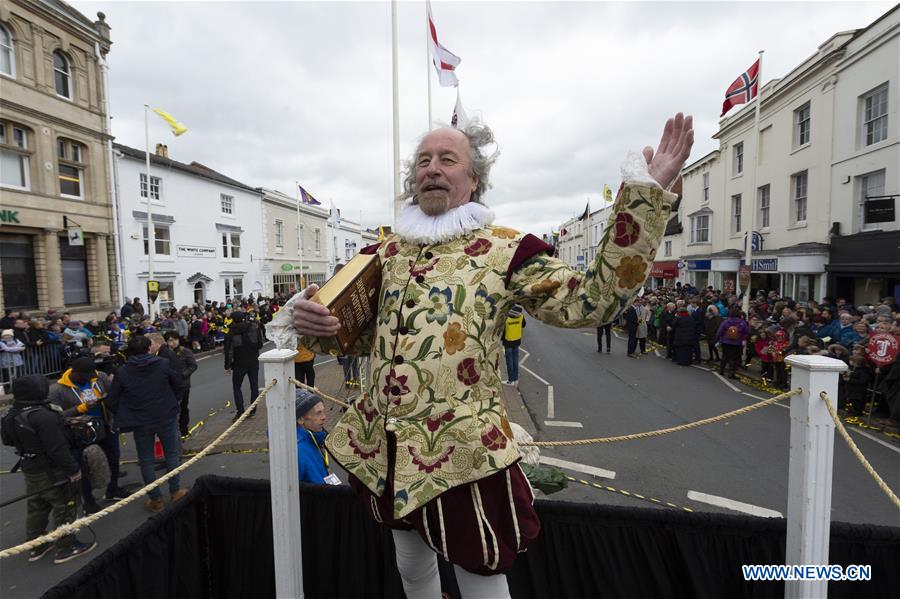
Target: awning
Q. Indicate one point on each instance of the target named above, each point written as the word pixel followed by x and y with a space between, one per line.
pixel 667 269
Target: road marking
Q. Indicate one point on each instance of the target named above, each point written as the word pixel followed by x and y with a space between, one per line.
pixel 533 373
pixel 551 409
pixel 618 336
pixel 326 362
pixel 724 380
pixel 701 367
pixel 658 355
pixel 731 504
pixel 527 355
pixel 592 470
pixel 563 423
pixel 853 429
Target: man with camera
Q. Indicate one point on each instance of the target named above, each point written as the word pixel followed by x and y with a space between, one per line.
pixel 37 430
pixel 81 392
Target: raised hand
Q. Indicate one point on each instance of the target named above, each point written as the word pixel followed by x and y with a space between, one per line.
pixel 311 318
pixel 673 150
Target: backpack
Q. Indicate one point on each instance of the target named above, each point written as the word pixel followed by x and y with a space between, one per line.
pixel 249 338
pixel 13 420
pixel 733 333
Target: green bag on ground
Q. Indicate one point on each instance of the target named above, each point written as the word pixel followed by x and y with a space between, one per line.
pixel 547 480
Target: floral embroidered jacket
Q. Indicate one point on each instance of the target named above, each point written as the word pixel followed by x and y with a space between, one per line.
pixel 435 346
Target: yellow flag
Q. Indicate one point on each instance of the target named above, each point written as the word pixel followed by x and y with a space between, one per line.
pixel 177 128
pixel 607 193
pixel 380 233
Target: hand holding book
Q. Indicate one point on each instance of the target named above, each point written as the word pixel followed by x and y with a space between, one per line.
pixel 312 318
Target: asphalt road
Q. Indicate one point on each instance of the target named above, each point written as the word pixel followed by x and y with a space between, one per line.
pixel 744 459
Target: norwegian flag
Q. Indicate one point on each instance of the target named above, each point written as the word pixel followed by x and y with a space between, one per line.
pixel 744 88
pixel 445 61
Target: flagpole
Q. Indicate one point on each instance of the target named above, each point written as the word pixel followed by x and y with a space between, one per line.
pixel 299 236
pixel 428 61
pixel 748 252
pixel 395 86
pixel 151 236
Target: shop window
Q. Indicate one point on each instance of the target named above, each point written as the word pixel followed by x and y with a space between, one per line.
pixel 875 115
pixel 738 159
pixel 801 125
pixel 234 288
pixel 62 75
pixel 7 53
pixel 70 167
pixel 763 193
pixel 162 240
pixel 876 208
pixel 18 272
pixel 799 189
pixel 166 295
pixel 74 273
pixel 155 187
pixel 14 155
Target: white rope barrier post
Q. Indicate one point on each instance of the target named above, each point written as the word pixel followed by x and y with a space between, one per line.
pixel 283 474
pixel 810 470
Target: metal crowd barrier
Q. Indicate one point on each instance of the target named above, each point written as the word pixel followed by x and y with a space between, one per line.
pixel 47 359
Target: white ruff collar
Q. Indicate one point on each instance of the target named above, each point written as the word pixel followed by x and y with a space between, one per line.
pixel 414 226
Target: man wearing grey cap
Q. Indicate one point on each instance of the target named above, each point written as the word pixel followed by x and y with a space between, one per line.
pixel 312 460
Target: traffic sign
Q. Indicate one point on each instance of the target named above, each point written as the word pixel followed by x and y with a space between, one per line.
pixel 153 290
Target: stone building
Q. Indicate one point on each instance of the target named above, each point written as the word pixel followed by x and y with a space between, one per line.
pixel 56 214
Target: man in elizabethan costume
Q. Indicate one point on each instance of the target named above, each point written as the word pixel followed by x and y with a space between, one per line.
pixel 428 446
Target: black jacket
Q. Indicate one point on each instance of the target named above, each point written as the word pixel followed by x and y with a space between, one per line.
pixel 127 310
pixel 143 393
pixel 684 330
pixel 44 440
pixel 241 348
pixel 181 361
pixel 631 319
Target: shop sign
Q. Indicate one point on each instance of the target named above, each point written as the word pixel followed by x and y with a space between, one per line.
pixel 195 251
pixel 664 270
pixel 579 259
pixel 765 265
pixel 287 267
pixel 882 348
pixel 9 216
pixel 75 236
pixel 699 264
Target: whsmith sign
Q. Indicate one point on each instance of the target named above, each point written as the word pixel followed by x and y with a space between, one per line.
pixel 9 216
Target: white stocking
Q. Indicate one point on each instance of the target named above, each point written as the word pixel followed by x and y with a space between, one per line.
pixel 475 586
pixel 418 566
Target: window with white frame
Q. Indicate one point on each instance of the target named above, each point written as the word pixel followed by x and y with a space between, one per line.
pixel 155 187
pixel 738 163
pixel 300 240
pixel 875 207
pixel 162 241
pixel 705 188
pixel 801 125
pixel 62 75
pixel 700 228
pixel 7 53
pixel 166 296
pixel 279 234
pixel 736 213
pixel 667 248
pixel 317 240
pixel 70 168
pixel 763 201
pixel 14 155
pixel 234 288
pixel 875 115
pixel 227 203
pixel 231 245
pixel 799 189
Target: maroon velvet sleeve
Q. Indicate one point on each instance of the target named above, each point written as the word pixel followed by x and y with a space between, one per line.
pixel 371 249
pixel 529 247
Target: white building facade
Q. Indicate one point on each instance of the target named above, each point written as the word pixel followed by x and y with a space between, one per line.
pixel 827 141
pixel 348 237
pixel 284 226
pixel 208 238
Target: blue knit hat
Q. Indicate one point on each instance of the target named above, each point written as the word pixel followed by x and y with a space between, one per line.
pixel 305 401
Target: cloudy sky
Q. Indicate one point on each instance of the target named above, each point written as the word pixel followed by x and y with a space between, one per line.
pixel 274 92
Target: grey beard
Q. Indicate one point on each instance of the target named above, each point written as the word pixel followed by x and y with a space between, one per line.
pixel 434 206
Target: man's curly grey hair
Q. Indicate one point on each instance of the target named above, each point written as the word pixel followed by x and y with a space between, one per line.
pixel 480 162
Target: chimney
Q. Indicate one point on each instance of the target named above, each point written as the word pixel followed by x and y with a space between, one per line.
pixel 162 150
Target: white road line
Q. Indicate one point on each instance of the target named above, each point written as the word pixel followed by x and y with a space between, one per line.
pixel 658 355
pixel 618 336
pixel 731 504
pixel 724 380
pixel 563 423
pixel 325 362
pixel 780 405
pixel 893 448
pixel 701 367
pixel 533 373
pixel 593 471
pixel 551 408
pixel 527 355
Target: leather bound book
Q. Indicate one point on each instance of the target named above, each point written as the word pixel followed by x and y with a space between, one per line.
pixel 352 296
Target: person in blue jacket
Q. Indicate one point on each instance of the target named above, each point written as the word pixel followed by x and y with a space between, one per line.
pixel 312 460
